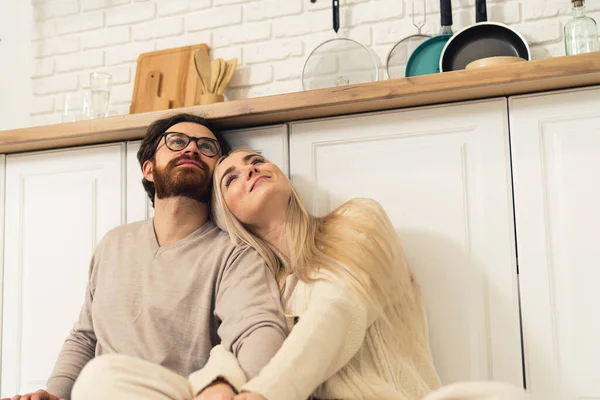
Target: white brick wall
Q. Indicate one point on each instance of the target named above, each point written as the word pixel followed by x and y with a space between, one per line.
pixel 270 38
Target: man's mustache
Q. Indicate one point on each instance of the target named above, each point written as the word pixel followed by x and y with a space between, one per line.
pixel 191 157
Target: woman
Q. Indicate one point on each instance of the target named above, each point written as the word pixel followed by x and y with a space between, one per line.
pixel 360 330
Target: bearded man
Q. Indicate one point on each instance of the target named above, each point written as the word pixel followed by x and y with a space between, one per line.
pixel 165 291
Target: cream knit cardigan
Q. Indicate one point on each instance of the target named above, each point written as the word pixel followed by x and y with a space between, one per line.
pixel 334 351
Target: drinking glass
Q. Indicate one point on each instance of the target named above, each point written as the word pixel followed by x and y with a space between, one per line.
pixel 86 105
pixel 72 107
pixel 100 83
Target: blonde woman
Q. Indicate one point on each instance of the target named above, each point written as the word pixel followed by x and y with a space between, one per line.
pixel 359 329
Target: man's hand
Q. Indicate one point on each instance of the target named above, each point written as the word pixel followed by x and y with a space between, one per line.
pixel 39 395
pixel 249 396
pixel 217 391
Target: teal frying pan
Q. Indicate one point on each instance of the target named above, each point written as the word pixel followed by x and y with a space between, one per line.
pixel 426 57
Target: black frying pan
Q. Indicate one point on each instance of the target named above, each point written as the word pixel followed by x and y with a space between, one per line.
pixel 482 40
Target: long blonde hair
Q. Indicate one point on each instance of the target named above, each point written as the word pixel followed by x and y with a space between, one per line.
pixel 356 243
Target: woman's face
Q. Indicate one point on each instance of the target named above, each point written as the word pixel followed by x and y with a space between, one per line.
pixel 254 189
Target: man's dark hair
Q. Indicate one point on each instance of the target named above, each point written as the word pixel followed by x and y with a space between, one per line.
pixel 153 136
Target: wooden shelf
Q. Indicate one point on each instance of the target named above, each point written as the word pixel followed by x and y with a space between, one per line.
pixel 520 78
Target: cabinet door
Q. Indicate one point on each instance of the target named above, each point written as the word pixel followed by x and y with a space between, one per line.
pixel 272 142
pixel 2 213
pixel 61 204
pixel 443 176
pixel 139 206
pixel 556 164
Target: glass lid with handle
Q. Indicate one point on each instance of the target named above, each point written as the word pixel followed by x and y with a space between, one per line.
pixel 338 61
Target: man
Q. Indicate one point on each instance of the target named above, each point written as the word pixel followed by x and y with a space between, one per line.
pixel 163 292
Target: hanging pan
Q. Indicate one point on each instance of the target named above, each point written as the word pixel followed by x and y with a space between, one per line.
pixel 426 58
pixel 396 60
pixel 482 40
pixel 339 61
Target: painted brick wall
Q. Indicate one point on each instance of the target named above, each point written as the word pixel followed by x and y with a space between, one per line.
pixel 270 38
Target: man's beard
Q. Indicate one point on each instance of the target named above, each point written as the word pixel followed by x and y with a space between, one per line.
pixel 192 182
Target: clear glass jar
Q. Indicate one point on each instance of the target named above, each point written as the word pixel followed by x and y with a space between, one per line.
pixel 581 32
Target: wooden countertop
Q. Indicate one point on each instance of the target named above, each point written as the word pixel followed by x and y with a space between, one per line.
pixel 520 78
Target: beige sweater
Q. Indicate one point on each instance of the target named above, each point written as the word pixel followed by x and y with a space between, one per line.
pixel 336 340
pixel 170 305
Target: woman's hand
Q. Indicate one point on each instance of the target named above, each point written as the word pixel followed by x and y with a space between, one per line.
pixel 249 396
pixel 39 395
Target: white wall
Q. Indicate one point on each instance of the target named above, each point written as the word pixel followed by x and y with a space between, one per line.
pixel 15 63
pixel 270 38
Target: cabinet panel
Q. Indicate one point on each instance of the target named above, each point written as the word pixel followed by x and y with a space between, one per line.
pixel 443 175
pixel 2 229
pixel 272 142
pixel 139 206
pixel 556 157
pixel 61 204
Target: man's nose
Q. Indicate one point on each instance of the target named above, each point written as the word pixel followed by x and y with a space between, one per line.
pixel 192 147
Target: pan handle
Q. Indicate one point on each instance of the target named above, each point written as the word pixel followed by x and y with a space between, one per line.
pixel 336 15
pixel 446 11
pixel 480 11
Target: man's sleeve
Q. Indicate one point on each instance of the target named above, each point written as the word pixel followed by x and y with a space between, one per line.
pixel 78 349
pixel 249 307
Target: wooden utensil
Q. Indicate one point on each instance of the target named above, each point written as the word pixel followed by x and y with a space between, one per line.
pixel 220 67
pixel 222 74
pixel 224 70
pixel 215 70
pixel 231 66
pixel 202 60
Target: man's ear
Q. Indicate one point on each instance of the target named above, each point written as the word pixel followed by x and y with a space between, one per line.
pixel 147 169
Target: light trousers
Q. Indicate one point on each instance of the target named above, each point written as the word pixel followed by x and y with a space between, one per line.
pixel 116 377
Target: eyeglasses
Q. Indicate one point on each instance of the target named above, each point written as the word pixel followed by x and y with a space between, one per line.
pixel 177 141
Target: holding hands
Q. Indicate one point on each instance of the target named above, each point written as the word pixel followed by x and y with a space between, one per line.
pixel 39 395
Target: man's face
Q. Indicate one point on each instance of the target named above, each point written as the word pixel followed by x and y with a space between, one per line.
pixel 187 172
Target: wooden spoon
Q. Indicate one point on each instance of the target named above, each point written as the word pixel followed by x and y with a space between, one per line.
pixel 231 66
pixel 202 61
pixel 222 73
pixel 215 70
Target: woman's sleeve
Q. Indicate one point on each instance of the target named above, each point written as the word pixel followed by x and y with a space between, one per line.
pixel 221 364
pixel 325 339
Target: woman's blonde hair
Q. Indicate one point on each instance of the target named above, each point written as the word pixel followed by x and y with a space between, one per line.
pixel 356 244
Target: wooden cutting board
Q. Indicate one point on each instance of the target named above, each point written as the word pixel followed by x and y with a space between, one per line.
pixel 166 79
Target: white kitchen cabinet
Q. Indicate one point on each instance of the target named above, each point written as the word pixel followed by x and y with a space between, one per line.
pixel 2 213
pixel 271 141
pixel 139 206
pixel 556 165
pixel 443 175
pixel 59 205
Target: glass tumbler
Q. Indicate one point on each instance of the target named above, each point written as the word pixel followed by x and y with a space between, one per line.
pixel 100 83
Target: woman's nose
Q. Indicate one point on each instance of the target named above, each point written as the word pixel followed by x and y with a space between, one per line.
pixel 251 170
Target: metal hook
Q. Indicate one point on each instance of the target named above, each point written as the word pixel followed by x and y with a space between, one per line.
pixel 421 24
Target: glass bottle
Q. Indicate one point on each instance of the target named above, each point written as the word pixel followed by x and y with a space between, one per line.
pixel 581 33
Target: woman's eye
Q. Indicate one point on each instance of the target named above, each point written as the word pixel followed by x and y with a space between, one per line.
pixel 230 179
pixel 178 142
pixel 258 161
